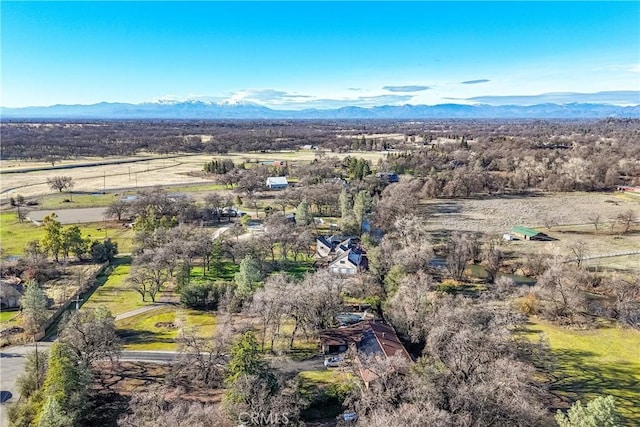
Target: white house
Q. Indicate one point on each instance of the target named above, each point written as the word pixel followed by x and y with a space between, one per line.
pixel 277 182
pixel 352 261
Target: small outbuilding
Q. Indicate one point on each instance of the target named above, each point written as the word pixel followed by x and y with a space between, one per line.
pixel 388 177
pixel 525 233
pixel 11 291
pixel 277 182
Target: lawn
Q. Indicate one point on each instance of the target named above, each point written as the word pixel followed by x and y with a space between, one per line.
pixel 158 329
pixel 81 200
pixel 226 272
pixel 6 316
pixel 113 293
pixel 197 187
pixel 326 390
pixel 14 235
pixel 595 362
pixel 303 349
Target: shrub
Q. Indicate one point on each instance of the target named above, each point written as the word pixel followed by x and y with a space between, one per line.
pixel 201 296
pixel 529 304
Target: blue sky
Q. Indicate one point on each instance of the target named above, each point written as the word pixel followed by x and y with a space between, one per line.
pixel 294 55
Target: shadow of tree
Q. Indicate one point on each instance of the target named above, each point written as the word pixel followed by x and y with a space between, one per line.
pixel 133 336
pixel 574 377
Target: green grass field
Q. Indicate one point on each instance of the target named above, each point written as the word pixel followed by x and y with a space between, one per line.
pixel 225 273
pixel 82 200
pixel 6 316
pixel 113 292
pixel 146 332
pixel 594 363
pixel 14 235
pixel 196 188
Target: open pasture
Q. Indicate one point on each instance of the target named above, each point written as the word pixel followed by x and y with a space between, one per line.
pixel 572 212
pixel 124 174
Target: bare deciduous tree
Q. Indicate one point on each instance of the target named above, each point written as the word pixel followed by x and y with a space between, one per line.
pixel 161 406
pixel 60 183
pixel 559 289
pixel 458 254
pixel 201 361
pixel 91 335
pixel 596 220
pixel 270 304
pixel 118 209
pixel 624 294
pixel 492 257
pixel 626 220
pixel 411 305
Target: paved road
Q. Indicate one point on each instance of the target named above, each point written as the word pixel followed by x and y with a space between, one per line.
pixel 12 361
pixel 149 356
pixel 71 216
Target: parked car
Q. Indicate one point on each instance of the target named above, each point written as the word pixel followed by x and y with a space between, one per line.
pixel 229 212
pixel 350 416
pixel 333 362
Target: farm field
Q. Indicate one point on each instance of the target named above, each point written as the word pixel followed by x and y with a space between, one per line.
pixel 572 211
pixel 595 362
pixel 170 170
pixel 14 235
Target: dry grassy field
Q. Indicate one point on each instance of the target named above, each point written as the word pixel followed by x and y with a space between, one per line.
pixel 571 211
pixel 172 170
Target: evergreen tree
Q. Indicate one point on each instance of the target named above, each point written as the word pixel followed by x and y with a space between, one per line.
pixel 72 241
pixel 246 358
pixel 52 240
pixel 34 304
pixel 361 206
pixel 33 375
pixel 346 205
pixel 303 214
pixel 600 412
pixel 104 251
pixel 248 277
pixel 66 388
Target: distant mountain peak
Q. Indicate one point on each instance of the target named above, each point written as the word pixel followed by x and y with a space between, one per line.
pixel 201 109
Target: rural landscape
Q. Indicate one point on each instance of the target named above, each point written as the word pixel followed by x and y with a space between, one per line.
pixel 319 213
pixel 372 272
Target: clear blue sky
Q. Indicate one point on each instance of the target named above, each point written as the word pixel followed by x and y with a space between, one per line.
pixel 295 55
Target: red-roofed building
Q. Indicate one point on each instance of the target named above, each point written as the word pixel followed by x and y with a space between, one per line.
pixel 371 339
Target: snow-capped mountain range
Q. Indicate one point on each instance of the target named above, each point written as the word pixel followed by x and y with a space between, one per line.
pixel 232 109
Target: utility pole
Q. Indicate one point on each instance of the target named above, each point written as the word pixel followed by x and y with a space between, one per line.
pixel 104 182
pixel 37 363
pixel 77 301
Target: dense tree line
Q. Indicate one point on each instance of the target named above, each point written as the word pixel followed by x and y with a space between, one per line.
pixel 605 146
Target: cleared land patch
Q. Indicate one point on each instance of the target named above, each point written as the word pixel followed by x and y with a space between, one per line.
pixel 159 329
